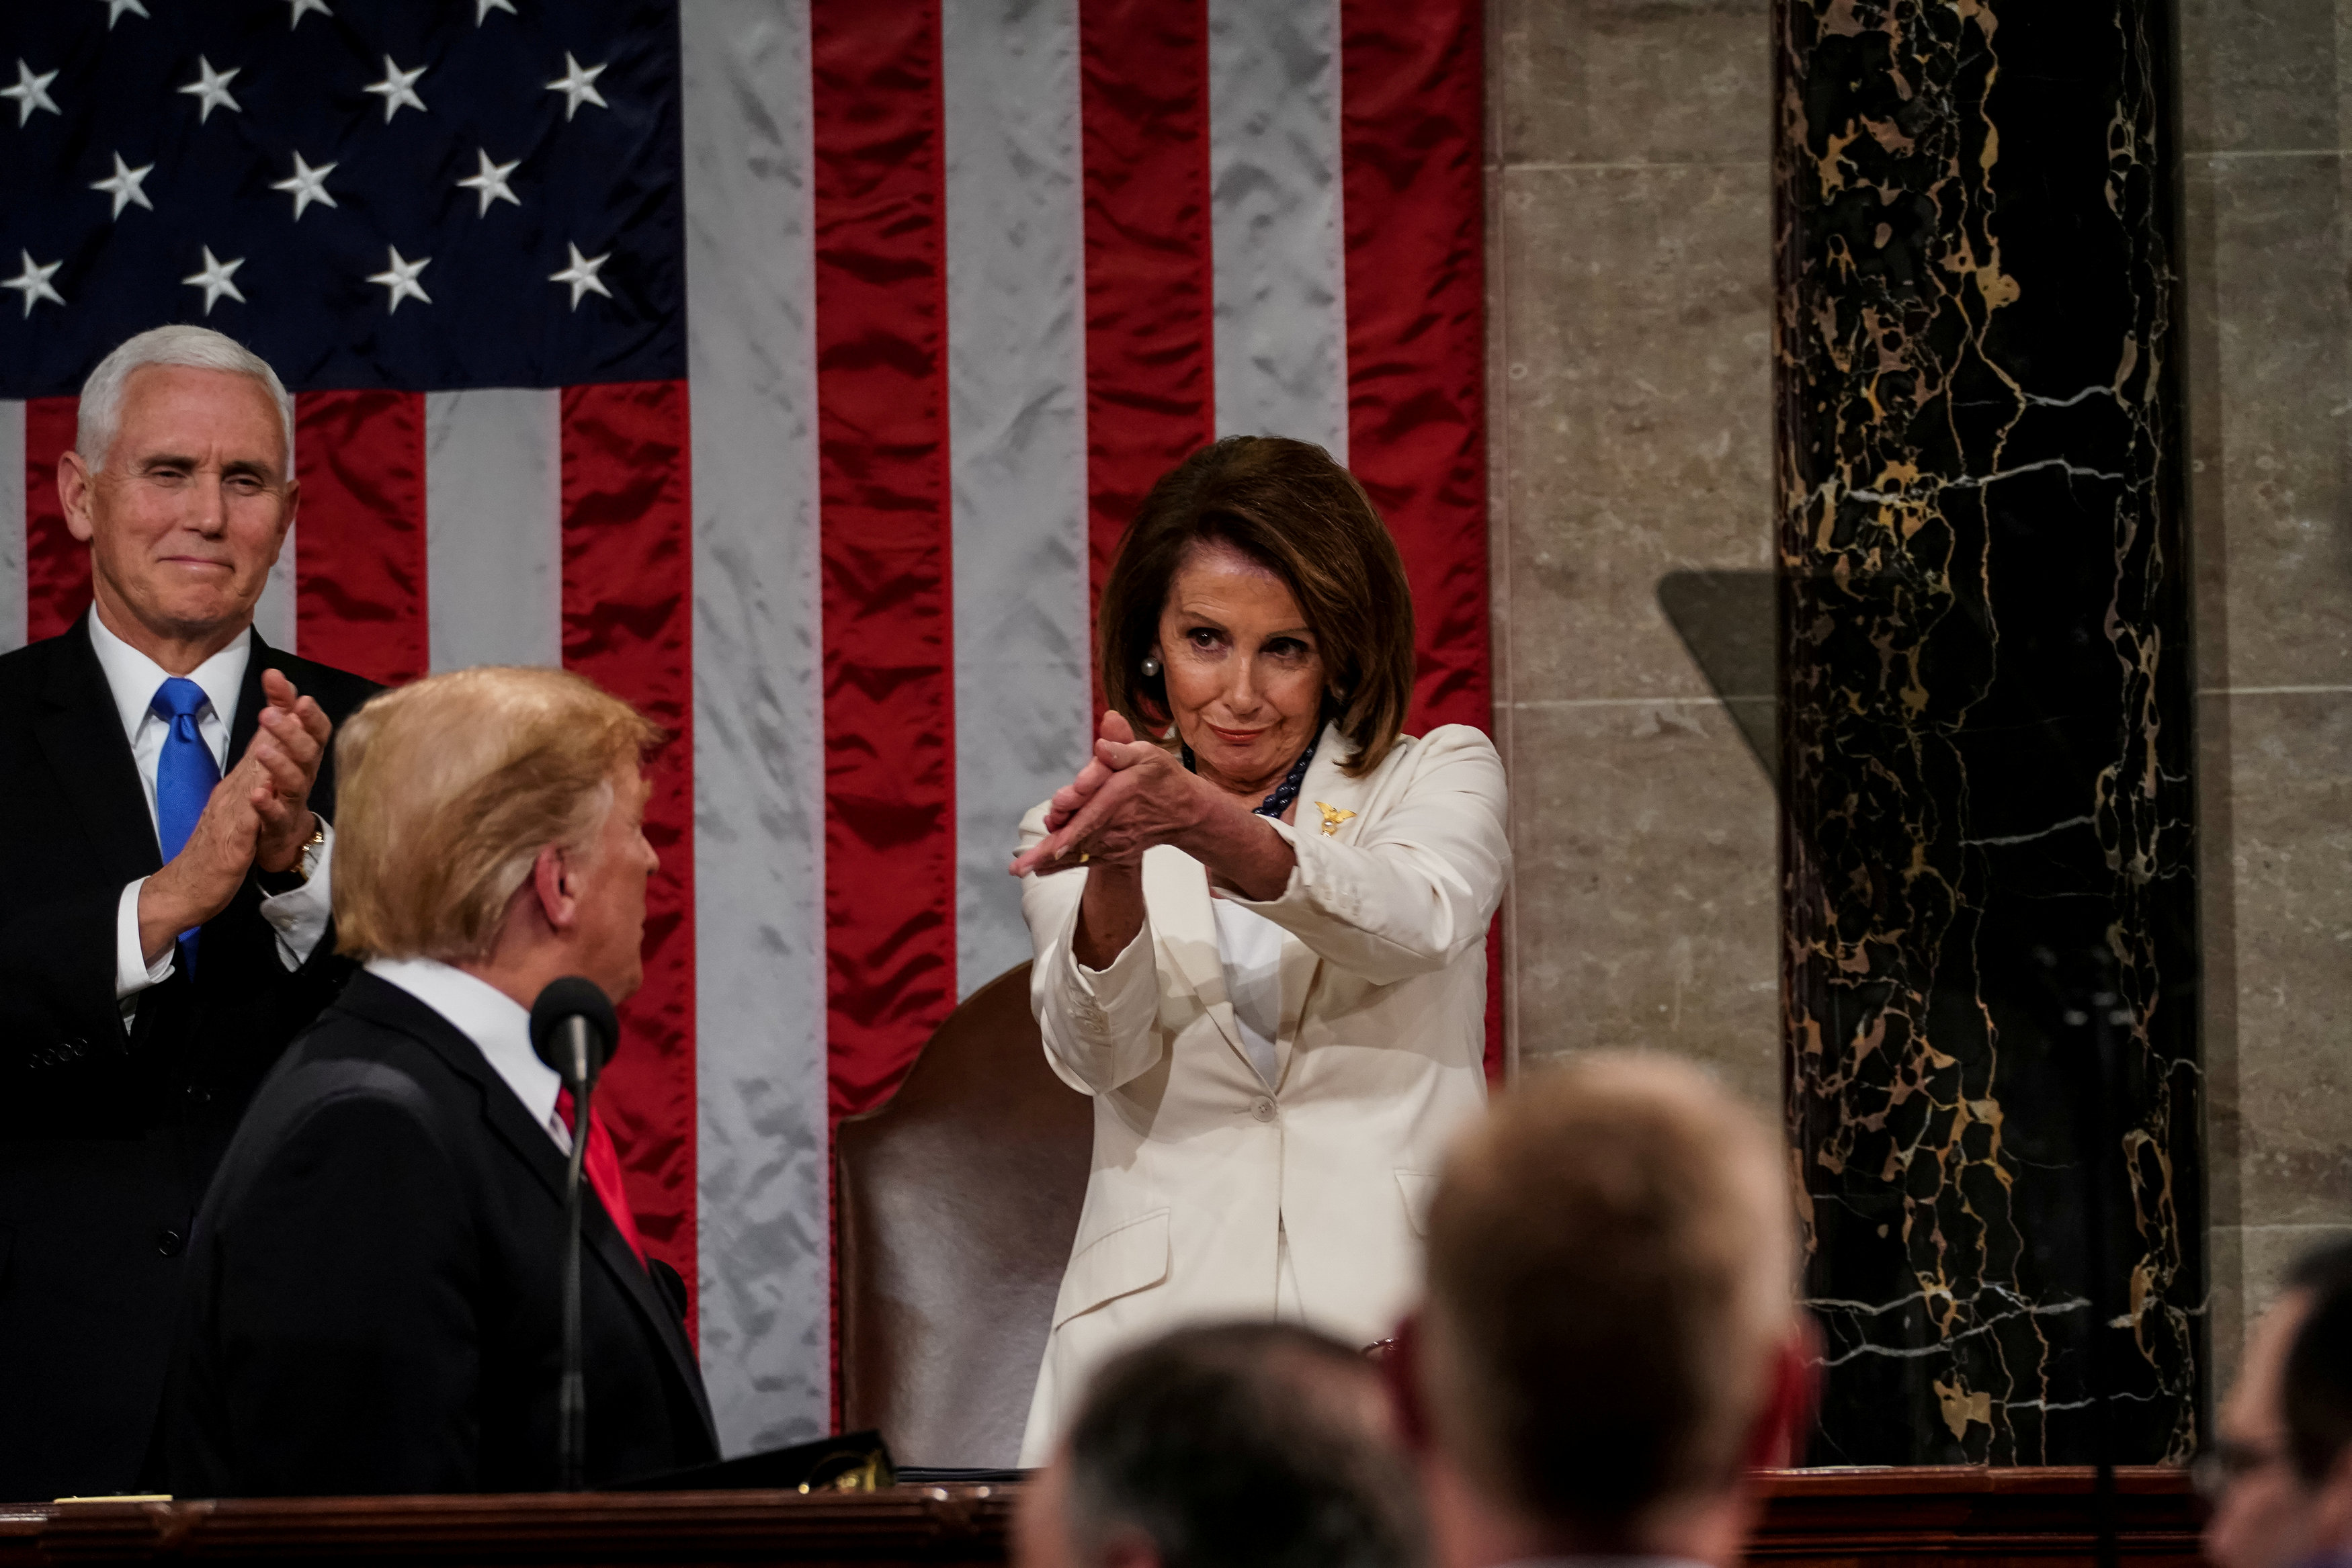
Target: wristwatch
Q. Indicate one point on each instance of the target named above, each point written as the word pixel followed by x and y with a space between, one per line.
pixel 274 882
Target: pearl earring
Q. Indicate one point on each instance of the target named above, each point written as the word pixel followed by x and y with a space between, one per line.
pixel 1150 668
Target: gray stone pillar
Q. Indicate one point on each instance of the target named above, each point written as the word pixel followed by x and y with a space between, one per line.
pixel 1989 903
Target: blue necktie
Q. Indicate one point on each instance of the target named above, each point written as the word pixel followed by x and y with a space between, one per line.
pixel 185 776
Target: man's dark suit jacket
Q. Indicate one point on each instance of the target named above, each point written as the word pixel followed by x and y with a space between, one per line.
pixel 374 1293
pixel 108 1137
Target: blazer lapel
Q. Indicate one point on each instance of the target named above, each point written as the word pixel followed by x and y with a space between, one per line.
pixel 604 1240
pixel 250 700
pixel 79 731
pixel 528 1143
pixel 1329 806
pixel 1176 891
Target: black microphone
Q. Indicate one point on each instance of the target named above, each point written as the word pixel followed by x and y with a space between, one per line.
pixel 573 1030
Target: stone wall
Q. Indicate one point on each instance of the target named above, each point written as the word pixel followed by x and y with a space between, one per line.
pixel 2266 135
pixel 1629 289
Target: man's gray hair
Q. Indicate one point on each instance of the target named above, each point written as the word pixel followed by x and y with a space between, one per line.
pixel 194 347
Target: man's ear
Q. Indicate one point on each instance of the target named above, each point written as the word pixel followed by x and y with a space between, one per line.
pixel 1129 1549
pixel 73 494
pixel 557 886
pixel 2331 1510
pixel 1785 1425
pixel 1400 1371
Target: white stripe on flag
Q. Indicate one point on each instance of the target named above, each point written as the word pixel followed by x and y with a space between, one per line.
pixel 1017 372
pixel 758 774
pixel 273 614
pixel 1275 220
pixel 12 525
pixel 494 526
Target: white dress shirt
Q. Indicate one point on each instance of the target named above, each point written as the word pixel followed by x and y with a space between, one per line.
pixel 299 917
pixel 498 1026
pixel 1249 946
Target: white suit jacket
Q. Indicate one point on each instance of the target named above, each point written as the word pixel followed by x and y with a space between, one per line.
pixel 1198 1166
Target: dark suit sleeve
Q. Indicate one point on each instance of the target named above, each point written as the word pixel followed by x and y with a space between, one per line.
pixel 57 981
pixel 348 1347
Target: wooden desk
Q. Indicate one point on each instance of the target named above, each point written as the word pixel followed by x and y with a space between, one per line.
pixel 1816 1519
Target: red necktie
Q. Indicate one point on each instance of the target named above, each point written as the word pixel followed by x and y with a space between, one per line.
pixel 603 1163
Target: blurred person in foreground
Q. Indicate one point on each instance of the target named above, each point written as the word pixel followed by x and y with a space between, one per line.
pixel 1261 928
pixel 165 867
pixel 1226 1446
pixel 2279 1477
pixel 374 1287
pixel 1610 1343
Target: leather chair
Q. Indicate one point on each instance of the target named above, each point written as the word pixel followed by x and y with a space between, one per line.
pixel 956 1205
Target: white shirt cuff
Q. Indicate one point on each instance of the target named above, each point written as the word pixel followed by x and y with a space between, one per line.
pixel 300 917
pixel 132 973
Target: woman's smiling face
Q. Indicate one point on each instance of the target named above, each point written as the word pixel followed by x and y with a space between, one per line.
pixel 1245 678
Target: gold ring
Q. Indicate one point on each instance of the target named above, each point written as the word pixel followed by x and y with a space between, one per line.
pixel 1084 857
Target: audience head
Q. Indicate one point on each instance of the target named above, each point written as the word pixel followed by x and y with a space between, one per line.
pixel 492 818
pixel 2281 1473
pixel 1234 1446
pixel 181 482
pixel 1611 1338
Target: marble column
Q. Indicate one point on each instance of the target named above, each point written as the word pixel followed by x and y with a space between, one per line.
pixel 1990 961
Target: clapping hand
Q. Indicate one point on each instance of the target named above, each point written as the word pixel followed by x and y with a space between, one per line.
pixel 259 814
pixel 286 751
pixel 1130 795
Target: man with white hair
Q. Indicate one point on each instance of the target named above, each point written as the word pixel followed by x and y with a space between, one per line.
pixel 165 792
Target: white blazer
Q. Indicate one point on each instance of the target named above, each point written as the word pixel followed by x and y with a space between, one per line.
pixel 1198 1167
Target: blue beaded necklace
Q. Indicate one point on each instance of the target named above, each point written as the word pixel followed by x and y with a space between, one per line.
pixel 1276 804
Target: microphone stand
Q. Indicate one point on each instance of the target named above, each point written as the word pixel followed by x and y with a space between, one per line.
pixel 572 1397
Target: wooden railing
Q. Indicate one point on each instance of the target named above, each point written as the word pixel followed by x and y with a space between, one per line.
pixel 1814 1519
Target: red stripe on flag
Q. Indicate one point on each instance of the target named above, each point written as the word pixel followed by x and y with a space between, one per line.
pixel 882 444
pixel 56 564
pixel 1410 91
pixel 628 625
pixel 1412 111
pixel 359 536
pixel 1144 104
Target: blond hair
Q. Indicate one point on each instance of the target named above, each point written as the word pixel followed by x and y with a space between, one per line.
pixel 1611 1266
pixel 450 789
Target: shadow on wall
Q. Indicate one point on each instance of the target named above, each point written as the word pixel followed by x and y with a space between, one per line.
pixel 1729 621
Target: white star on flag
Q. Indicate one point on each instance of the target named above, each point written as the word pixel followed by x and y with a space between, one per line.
pixel 398 88
pixel 401 279
pixel 31 92
pixel 578 85
pixel 33 283
pixel 123 185
pixel 482 9
pixel 303 8
pixel 215 280
pixel 491 183
pixel 114 9
pixel 307 185
pixel 581 275
pixel 211 87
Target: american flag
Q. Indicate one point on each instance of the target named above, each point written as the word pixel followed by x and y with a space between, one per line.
pixel 789 367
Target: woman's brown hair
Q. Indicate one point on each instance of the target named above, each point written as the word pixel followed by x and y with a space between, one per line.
pixel 1288 505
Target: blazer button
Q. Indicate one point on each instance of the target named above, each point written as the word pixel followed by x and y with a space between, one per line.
pixel 1262 1108
pixel 169 1242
